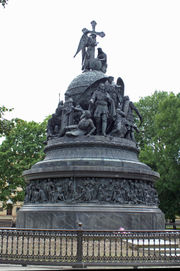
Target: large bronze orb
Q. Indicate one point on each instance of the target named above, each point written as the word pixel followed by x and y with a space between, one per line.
pixel 82 87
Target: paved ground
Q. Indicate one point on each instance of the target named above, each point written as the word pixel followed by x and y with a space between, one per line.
pixel 51 268
pixel 9 267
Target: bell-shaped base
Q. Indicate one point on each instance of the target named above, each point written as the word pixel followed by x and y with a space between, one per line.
pixel 95 180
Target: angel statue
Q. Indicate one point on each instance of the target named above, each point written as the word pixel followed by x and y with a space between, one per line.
pixel 87 45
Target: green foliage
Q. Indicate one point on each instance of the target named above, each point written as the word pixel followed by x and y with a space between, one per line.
pixel 148 108
pixel 5 125
pixel 3 2
pixel 22 148
pixel 160 146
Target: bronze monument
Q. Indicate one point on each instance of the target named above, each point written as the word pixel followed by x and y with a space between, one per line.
pixel 91 173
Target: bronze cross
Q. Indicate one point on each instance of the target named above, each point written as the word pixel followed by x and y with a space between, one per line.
pixel 93 23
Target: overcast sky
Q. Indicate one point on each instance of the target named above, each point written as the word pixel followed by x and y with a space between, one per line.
pixel 38 39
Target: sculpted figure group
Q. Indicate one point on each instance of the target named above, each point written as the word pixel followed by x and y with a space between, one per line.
pixel 110 113
pixel 89 189
pixel 87 46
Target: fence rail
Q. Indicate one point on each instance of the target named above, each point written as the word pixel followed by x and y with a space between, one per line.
pixel 84 248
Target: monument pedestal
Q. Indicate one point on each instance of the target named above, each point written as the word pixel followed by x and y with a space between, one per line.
pixel 97 181
pixel 92 217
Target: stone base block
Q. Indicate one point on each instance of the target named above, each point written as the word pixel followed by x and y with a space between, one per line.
pixel 92 217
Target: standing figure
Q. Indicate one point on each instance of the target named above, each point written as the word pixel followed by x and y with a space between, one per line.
pixel 104 106
pixel 67 116
pixel 89 54
pixel 128 108
pixel 115 91
pixel 120 124
pixel 120 90
pixel 109 85
pixel 103 58
pixel 54 122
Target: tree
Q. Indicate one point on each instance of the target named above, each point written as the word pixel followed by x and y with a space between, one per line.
pixel 167 124
pixel 22 148
pixel 5 125
pixel 160 146
pixel 148 108
pixel 3 2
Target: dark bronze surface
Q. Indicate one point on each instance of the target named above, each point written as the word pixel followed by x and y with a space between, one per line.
pixel 92 157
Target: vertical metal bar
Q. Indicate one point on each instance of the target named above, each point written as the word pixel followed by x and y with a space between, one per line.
pixel 53 245
pixel 126 245
pixel 39 243
pixel 99 245
pixel 60 248
pixel 55 239
pixel 33 241
pixel 104 245
pixel 71 245
pixel 170 245
pixel 149 245
pixel 140 244
pixel 28 236
pixel 165 245
pixel 87 241
pixel 79 246
pixel 115 246
pixel 121 244
pixel 5 241
pixel 17 243
pixel 66 244
pixel 153 240
pixel 175 245
pixel 160 242
pixel 12 242
pixel 2 241
pixel 22 248
pixel 144 243
pixel 132 238
pixel 44 243
pixel 110 244
pixel 49 248
pixel 93 246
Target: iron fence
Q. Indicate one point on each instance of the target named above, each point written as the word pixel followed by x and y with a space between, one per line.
pixel 84 247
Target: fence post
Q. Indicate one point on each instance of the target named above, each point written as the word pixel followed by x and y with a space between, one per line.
pixel 79 257
pixel 79 244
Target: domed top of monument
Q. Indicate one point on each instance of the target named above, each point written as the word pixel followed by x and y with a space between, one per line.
pixel 94 104
pixel 82 85
pixel 86 79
